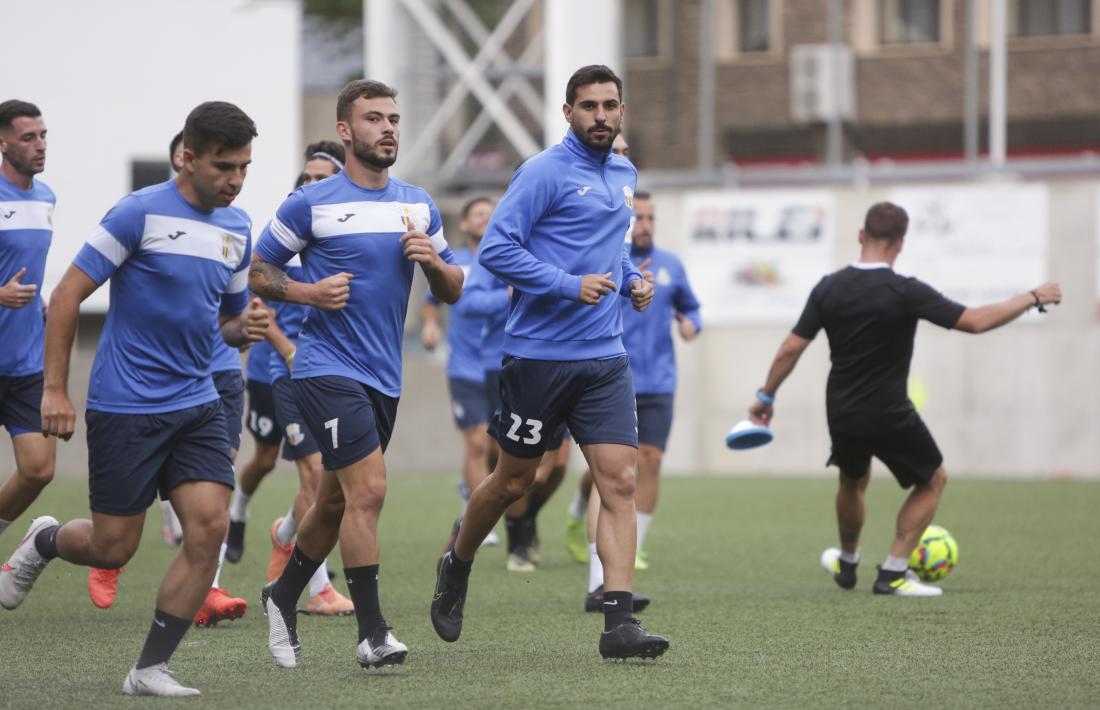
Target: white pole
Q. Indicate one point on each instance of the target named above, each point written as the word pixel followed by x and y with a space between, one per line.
pixel 998 81
pixel 380 59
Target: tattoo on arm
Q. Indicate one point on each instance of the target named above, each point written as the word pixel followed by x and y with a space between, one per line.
pixel 272 282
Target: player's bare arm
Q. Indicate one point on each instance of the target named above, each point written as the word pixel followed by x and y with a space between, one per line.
pixel 687 328
pixel 250 326
pixel 16 295
pixel 994 315
pixel 270 282
pixel 430 332
pixel 58 413
pixel 444 279
pixel 782 366
pixel 279 340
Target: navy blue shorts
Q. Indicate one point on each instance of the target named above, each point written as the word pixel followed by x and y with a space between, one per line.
pixel 230 386
pixel 21 404
pixel 261 414
pixel 468 405
pixel 654 419
pixel 133 456
pixel 539 398
pixel 910 453
pixel 348 419
pixel 492 393
pixel 298 442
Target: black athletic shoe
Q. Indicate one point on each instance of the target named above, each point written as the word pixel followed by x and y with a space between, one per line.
pixel 234 542
pixel 843 573
pixel 449 599
pixel 594 601
pixel 630 640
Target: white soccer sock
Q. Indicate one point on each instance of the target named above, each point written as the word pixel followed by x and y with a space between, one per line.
pixel 171 520
pixel 319 580
pixel 238 509
pixel 218 574
pixel 4 525
pixel 644 519
pixel 595 569
pixel 852 559
pixel 287 529
pixel 895 564
pixel 579 507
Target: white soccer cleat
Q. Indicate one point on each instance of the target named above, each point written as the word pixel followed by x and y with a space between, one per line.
pixel 390 652
pixel 491 540
pixel 282 632
pixel 908 585
pixel 155 680
pixel 18 574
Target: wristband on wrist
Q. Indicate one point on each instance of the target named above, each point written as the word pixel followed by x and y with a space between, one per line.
pixel 764 398
pixel 289 359
pixel 1038 303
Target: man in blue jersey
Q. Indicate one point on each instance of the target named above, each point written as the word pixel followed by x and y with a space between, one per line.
pixel 26 229
pixel 557 237
pixel 359 235
pixel 177 255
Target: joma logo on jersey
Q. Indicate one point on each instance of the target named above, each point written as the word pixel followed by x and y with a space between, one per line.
pixel 346 217
pixel 584 190
pixel 177 235
pixel 7 215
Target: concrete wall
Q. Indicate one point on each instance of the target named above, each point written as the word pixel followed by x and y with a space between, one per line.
pixel 1023 401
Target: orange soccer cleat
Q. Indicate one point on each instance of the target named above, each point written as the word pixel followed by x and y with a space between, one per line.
pixel 330 603
pixel 219 606
pixel 280 554
pixel 103 586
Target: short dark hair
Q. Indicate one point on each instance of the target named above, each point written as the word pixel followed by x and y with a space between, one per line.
pixel 642 195
pixel 360 88
pixel 474 201
pixel 217 125
pixel 591 74
pixel 173 146
pixel 329 148
pixel 301 180
pixel 13 109
pixel 885 220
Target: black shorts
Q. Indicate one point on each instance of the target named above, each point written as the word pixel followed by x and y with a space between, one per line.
pixel 230 386
pixel 468 405
pixel 492 393
pixel 654 419
pixel 133 456
pixel 348 419
pixel 910 453
pixel 261 414
pixel 539 398
pixel 298 442
pixel 21 404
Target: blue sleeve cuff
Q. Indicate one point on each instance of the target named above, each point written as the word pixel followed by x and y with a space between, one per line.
pixel 272 252
pixel 570 287
pixel 696 320
pixel 233 304
pixel 98 267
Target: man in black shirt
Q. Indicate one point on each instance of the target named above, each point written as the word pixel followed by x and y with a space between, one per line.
pixel 870 316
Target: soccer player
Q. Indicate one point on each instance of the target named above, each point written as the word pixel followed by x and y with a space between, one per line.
pixel 647 336
pixel 360 235
pixel 870 314
pixel 557 238
pixel 26 209
pixel 465 375
pixel 176 254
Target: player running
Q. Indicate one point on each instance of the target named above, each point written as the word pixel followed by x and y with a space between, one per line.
pixel 359 234
pixel 26 229
pixel 870 314
pixel 176 255
pixel 557 238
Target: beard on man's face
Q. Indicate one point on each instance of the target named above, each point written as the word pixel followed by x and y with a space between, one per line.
pixel 371 155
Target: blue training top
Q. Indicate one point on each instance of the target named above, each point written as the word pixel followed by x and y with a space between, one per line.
pixel 565 214
pixel 172 268
pixel 648 335
pixel 485 297
pixel 26 229
pixel 339 226
pixel 289 317
pixel 463 330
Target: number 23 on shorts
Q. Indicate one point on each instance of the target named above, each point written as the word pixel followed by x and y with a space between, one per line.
pixel 534 427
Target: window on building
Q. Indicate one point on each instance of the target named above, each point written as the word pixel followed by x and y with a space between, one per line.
pixel 745 27
pixel 909 21
pixel 1037 18
pixel 753 29
pixel 144 173
pixel 640 20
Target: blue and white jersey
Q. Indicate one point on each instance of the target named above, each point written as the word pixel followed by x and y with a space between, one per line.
pixel 260 356
pixel 290 317
pixel 463 330
pixel 225 358
pixel 172 270
pixel 26 229
pixel 337 226
pixel 564 215
pixel 647 335
pixel 485 297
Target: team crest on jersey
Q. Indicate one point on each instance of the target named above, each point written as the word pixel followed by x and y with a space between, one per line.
pixel 663 277
pixel 629 195
pixel 227 245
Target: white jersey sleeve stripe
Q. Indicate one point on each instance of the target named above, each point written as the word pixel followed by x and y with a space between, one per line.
pixel 287 237
pixel 105 243
pixel 439 242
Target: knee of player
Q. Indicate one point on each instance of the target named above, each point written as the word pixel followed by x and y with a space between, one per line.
pixel 367 497
pixel 205 531
pixel 112 554
pixel 38 473
pixel 516 487
pixel 651 455
pixel 330 509
pixel 618 484
pixel 478 448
